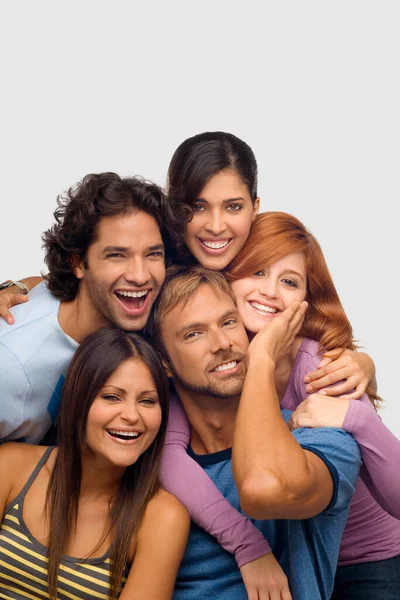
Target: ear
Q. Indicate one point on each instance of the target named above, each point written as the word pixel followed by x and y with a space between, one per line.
pixel 166 368
pixel 256 208
pixel 77 265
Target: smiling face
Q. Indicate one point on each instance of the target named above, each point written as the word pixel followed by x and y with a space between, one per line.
pixel 123 271
pixel 206 344
pixel 269 291
pixel 125 416
pixel 222 217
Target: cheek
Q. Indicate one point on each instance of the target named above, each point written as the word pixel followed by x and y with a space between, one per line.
pixel 241 289
pixel 241 225
pixel 97 417
pixel 192 228
pixel 152 418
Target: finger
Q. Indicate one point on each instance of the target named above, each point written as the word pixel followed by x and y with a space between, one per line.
pixel 357 393
pixel 324 362
pixel 6 315
pixel 304 421
pixel 295 321
pixel 328 369
pixel 329 379
pixel 286 595
pixel 344 387
pixel 252 594
pixel 274 594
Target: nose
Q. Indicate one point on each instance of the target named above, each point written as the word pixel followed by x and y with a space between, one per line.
pixel 129 411
pixel 269 287
pixel 219 341
pixel 137 272
pixel 216 224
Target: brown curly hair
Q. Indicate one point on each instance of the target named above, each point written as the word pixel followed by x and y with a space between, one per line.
pixel 80 209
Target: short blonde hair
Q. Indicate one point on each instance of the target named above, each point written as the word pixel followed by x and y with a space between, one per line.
pixel 181 283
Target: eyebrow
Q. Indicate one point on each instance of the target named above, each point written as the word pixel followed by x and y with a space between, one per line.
pixel 122 391
pixel 225 201
pixel 125 249
pixel 287 272
pixel 228 313
pixel 114 387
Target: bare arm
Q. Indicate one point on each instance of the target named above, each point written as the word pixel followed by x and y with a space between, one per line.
pixel 275 477
pixel 12 296
pixel 160 546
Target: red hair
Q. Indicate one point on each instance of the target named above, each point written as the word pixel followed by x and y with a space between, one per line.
pixel 276 234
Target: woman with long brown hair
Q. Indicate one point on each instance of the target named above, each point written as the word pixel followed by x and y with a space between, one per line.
pixel 87 519
pixel 283 263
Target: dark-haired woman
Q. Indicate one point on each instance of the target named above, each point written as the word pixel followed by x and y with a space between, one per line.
pixel 87 519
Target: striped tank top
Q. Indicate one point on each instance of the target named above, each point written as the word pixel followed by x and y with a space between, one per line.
pixel 23 561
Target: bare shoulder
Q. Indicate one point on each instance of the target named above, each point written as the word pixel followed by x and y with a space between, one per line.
pixel 166 510
pixel 164 516
pixel 17 460
pixel 14 454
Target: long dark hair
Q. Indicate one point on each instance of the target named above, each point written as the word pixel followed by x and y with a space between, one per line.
pixel 81 208
pixel 96 359
pixel 200 157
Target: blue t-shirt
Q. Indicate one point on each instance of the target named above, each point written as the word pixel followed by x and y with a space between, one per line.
pixel 34 356
pixel 306 549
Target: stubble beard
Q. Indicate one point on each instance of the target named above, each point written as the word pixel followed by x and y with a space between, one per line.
pixel 103 304
pixel 214 389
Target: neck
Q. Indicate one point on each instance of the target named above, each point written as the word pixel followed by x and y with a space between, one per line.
pixel 99 478
pixel 212 420
pixel 78 317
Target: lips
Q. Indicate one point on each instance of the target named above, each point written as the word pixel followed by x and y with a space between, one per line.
pixel 222 363
pixel 263 309
pixel 215 245
pixel 124 436
pixel 134 302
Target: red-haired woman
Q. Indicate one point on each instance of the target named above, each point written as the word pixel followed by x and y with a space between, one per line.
pixel 281 263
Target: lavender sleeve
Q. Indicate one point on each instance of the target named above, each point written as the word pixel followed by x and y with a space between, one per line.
pixel 186 480
pixel 380 451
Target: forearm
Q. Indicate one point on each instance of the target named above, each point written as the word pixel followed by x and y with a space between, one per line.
pixel 272 472
pixel 380 451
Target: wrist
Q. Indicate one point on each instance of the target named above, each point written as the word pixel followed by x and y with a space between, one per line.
pixel 23 289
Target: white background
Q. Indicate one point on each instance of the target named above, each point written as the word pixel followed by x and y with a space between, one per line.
pixel 313 87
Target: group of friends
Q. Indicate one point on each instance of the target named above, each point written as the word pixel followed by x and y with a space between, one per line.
pixel 184 412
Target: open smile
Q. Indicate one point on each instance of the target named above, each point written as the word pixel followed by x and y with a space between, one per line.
pixel 263 309
pixel 122 436
pixel 214 246
pixel 134 302
pixel 227 368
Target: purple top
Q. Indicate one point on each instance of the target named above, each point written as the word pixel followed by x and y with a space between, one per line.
pixel 370 534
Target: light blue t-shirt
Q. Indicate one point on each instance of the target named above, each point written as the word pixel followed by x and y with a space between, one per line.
pixel 306 549
pixel 34 356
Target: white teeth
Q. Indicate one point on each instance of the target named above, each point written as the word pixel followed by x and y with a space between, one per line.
pixel 131 434
pixel 215 245
pixel 226 366
pixel 263 308
pixel 132 294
